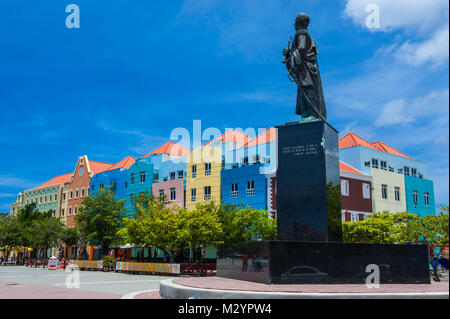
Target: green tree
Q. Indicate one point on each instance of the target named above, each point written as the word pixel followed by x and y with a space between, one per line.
pixel 100 219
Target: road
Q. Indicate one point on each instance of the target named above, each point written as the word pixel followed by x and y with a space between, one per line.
pixel 22 282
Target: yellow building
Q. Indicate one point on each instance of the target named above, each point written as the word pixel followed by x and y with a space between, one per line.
pixel 388 191
pixel 17 205
pixel 204 166
pixel 203 176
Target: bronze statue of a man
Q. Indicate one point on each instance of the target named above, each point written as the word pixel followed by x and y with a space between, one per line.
pixel 301 62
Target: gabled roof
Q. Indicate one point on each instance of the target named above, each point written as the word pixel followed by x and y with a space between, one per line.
pixel 348 168
pixel 265 137
pixel 61 179
pixel 99 167
pixel 230 136
pixel 352 140
pixel 386 148
pixel 124 163
pixel 170 148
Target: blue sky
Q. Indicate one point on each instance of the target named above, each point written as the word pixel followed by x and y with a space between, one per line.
pixel 135 70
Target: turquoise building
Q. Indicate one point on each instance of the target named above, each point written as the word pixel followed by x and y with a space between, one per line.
pixel 419 196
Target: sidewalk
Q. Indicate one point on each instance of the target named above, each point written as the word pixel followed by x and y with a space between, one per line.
pixel 15 290
pixel 222 288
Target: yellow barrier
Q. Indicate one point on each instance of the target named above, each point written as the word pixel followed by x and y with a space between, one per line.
pixel 148 267
pixel 87 264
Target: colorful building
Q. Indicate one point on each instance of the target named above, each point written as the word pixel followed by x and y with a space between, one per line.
pixel 47 196
pixel 399 182
pixel 356 193
pixel 204 166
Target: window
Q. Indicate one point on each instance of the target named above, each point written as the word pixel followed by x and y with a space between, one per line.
pixel 354 217
pixel 194 171
pixel 245 161
pixel 126 185
pixel 161 194
pixel 100 186
pixel 132 179
pixel 366 190
pixel 55 197
pixel 75 210
pixel 234 190
pixel 207 169
pixel 207 192
pixel 397 194
pixel 141 177
pixel 62 211
pixel 420 175
pixel 40 200
pixel 70 211
pixel 427 199
pixel 383 165
pixel 155 178
pixel 367 164
pixel 374 163
pixel 180 174
pixel 235 166
pixel 193 195
pixel 391 169
pixel 415 197
pixel 82 192
pixel 266 160
pixel 81 171
pixel 172 175
pixel 256 159
pixel 172 194
pixel 45 199
pixel 384 191
pixel 250 188
pixel 414 172
pixel 344 187
pixel 131 199
pixel 76 193
pixel 406 170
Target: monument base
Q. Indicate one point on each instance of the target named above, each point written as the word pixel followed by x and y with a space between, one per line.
pixel 295 262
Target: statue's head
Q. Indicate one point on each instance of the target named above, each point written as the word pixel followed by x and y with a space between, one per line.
pixel 302 21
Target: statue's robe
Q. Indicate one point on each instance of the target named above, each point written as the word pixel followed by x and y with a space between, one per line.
pixel 309 83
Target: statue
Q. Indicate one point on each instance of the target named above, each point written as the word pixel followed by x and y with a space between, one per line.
pixel 301 62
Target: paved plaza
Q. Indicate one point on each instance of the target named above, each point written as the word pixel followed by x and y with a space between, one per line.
pixel 22 282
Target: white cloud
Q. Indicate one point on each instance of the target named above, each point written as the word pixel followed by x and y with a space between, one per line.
pixel 418 18
pixel 434 50
pixel 400 111
pixel 415 15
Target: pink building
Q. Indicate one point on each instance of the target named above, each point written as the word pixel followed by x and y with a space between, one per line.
pixel 173 189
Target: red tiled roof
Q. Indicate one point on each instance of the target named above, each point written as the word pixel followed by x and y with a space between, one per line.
pixel 352 140
pixel 99 167
pixel 125 163
pixel 348 168
pixel 230 136
pixel 265 137
pixel 61 179
pixel 170 148
pixel 386 148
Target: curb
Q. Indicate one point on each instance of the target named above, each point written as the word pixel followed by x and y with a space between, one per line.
pixel 170 290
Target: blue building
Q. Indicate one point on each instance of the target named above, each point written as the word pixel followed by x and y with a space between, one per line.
pixel 419 196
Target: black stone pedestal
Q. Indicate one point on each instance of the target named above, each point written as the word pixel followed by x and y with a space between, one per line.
pixel 308 183
pixel 294 262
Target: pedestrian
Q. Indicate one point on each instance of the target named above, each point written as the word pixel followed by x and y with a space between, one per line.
pixel 244 262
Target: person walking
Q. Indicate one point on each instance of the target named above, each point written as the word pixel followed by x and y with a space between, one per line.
pixel 244 262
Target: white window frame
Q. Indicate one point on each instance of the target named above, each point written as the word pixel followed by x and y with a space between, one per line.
pixel 193 194
pixel 173 194
pixel 250 188
pixel 207 195
pixel 142 177
pixel 194 171
pixel 345 189
pixel 366 190
pixel 397 191
pixel 426 197
pixel 415 198
pixel 234 193
pixel 384 187
pixel 208 169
